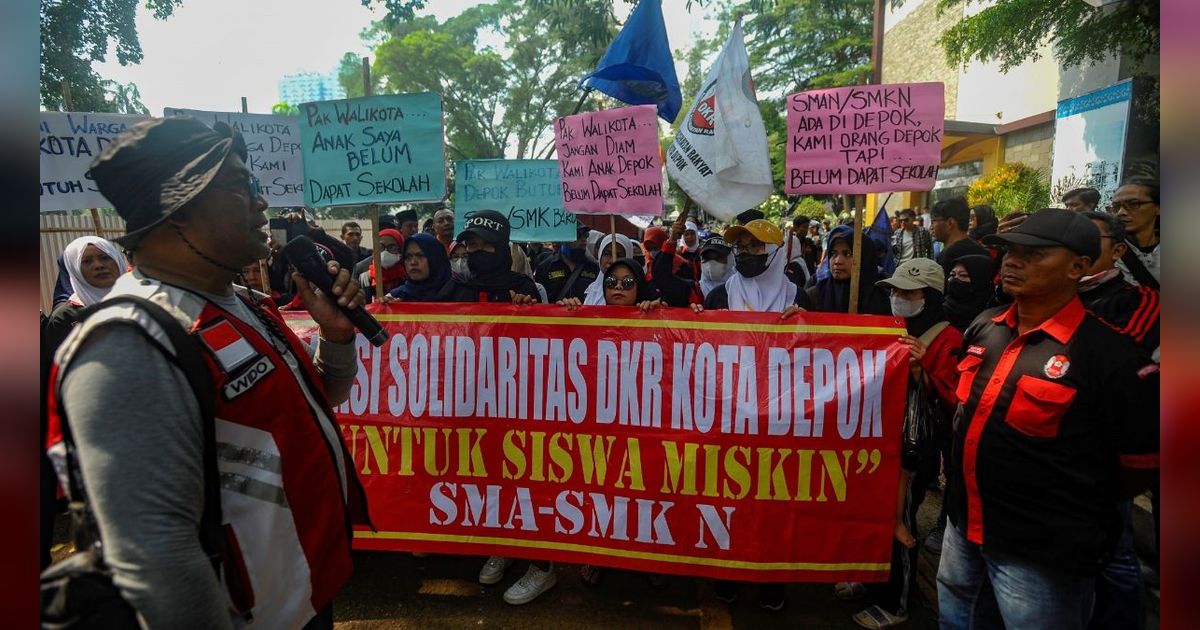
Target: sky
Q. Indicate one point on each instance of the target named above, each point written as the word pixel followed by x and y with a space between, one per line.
pixel 211 53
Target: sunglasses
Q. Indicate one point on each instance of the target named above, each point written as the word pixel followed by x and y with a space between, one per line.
pixel 628 282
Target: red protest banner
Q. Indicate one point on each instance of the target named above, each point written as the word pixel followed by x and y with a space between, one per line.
pixel 728 445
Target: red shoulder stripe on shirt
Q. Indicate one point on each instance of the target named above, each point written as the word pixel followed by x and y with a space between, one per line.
pixel 1144 318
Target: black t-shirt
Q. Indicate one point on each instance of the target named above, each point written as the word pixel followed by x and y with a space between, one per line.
pixel 1044 423
pixel 554 274
pixel 952 253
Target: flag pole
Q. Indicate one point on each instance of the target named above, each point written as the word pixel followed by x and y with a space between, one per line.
pixel 578 106
pixel 856 256
pixel 373 209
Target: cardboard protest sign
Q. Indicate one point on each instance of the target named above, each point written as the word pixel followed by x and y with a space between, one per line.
pixel 273 148
pixel 1089 141
pixel 375 149
pixel 866 138
pixel 664 442
pixel 610 161
pixel 528 192
pixel 69 143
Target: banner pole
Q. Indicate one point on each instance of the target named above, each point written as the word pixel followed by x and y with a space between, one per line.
pixel 612 227
pixel 373 209
pixel 856 255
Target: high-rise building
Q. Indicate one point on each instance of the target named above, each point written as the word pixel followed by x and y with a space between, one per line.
pixel 306 87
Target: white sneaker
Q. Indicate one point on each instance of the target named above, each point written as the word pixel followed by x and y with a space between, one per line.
pixel 493 570
pixel 533 583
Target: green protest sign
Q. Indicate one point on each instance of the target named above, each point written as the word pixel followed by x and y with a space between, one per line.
pixel 376 149
pixel 528 192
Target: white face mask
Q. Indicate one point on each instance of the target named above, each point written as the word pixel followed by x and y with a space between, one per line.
pixel 460 268
pixel 906 308
pixel 713 269
pixel 388 259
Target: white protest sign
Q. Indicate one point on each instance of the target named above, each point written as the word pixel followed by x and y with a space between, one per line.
pixel 69 143
pixel 1089 141
pixel 273 145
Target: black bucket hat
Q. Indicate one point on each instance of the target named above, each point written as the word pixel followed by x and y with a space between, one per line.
pixel 156 166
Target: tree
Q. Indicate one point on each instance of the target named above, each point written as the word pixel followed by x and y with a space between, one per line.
pixel 124 98
pixel 1011 31
pixel 491 99
pixel 77 33
pixel 793 45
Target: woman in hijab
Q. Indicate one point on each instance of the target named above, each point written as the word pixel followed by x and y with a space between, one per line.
pixel 831 293
pixel 969 289
pixel 982 222
pixel 93 265
pixel 594 295
pixel 624 284
pixel 759 282
pixel 427 271
pixel 391 255
pixel 490 277
pixel 916 296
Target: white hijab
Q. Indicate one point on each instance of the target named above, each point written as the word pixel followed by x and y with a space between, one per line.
pixel 84 293
pixel 770 291
pixel 689 225
pixel 594 295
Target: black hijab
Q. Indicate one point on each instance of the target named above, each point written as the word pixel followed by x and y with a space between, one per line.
pixel 965 301
pixel 439 271
pixel 985 222
pixel 932 313
pixel 833 296
pixel 644 290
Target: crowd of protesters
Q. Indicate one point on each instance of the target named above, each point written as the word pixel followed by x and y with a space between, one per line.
pixel 1033 341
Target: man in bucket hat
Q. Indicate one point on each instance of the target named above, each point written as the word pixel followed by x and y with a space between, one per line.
pixel 288 491
pixel 1056 419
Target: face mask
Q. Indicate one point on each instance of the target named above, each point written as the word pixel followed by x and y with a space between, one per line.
pixel 481 262
pixel 750 265
pixel 958 290
pixel 460 268
pixel 713 269
pixel 906 308
pixel 388 259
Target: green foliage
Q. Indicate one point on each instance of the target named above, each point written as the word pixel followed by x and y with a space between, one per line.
pixel 77 33
pixel 1011 187
pixel 1012 30
pixel 490 98
pixel 285 109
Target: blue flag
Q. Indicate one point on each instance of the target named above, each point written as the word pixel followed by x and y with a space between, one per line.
pixel 638 68
pixel 881 234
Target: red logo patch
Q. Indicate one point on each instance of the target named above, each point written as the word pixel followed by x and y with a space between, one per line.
pixel 1057 366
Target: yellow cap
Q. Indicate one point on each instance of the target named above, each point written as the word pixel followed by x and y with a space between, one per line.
pixel 761 229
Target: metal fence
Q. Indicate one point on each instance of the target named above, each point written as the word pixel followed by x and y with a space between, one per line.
pixel 57 231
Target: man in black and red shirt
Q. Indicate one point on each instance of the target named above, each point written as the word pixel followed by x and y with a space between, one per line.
pixel 1050 432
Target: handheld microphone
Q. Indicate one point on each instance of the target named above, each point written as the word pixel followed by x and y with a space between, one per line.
pixel 303 253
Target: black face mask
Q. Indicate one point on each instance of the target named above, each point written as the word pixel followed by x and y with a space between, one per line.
pixel 750 265
pixel 959 291
pixel 483 262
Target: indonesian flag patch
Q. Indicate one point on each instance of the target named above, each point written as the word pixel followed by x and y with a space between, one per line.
pixel 228 345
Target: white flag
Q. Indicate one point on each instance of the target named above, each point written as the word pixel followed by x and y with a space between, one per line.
pixel 719 155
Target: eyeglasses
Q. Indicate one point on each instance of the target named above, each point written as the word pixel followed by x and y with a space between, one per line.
pixel 1128 204
pixel 394 249
pixel 628 282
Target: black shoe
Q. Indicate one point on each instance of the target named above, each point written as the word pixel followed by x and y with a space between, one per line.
pixel 725 591
pixel 770 597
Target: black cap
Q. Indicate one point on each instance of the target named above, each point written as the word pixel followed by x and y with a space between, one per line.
pixel 715 243
pixel 1053 227
pixel 388 221
pixel 158 165
pixel 749 216
pixel 488 225
pixel 406 215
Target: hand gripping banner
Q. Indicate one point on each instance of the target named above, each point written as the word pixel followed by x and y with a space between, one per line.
pixel 727 445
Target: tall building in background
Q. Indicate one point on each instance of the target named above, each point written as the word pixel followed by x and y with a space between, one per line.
pixel 306 87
